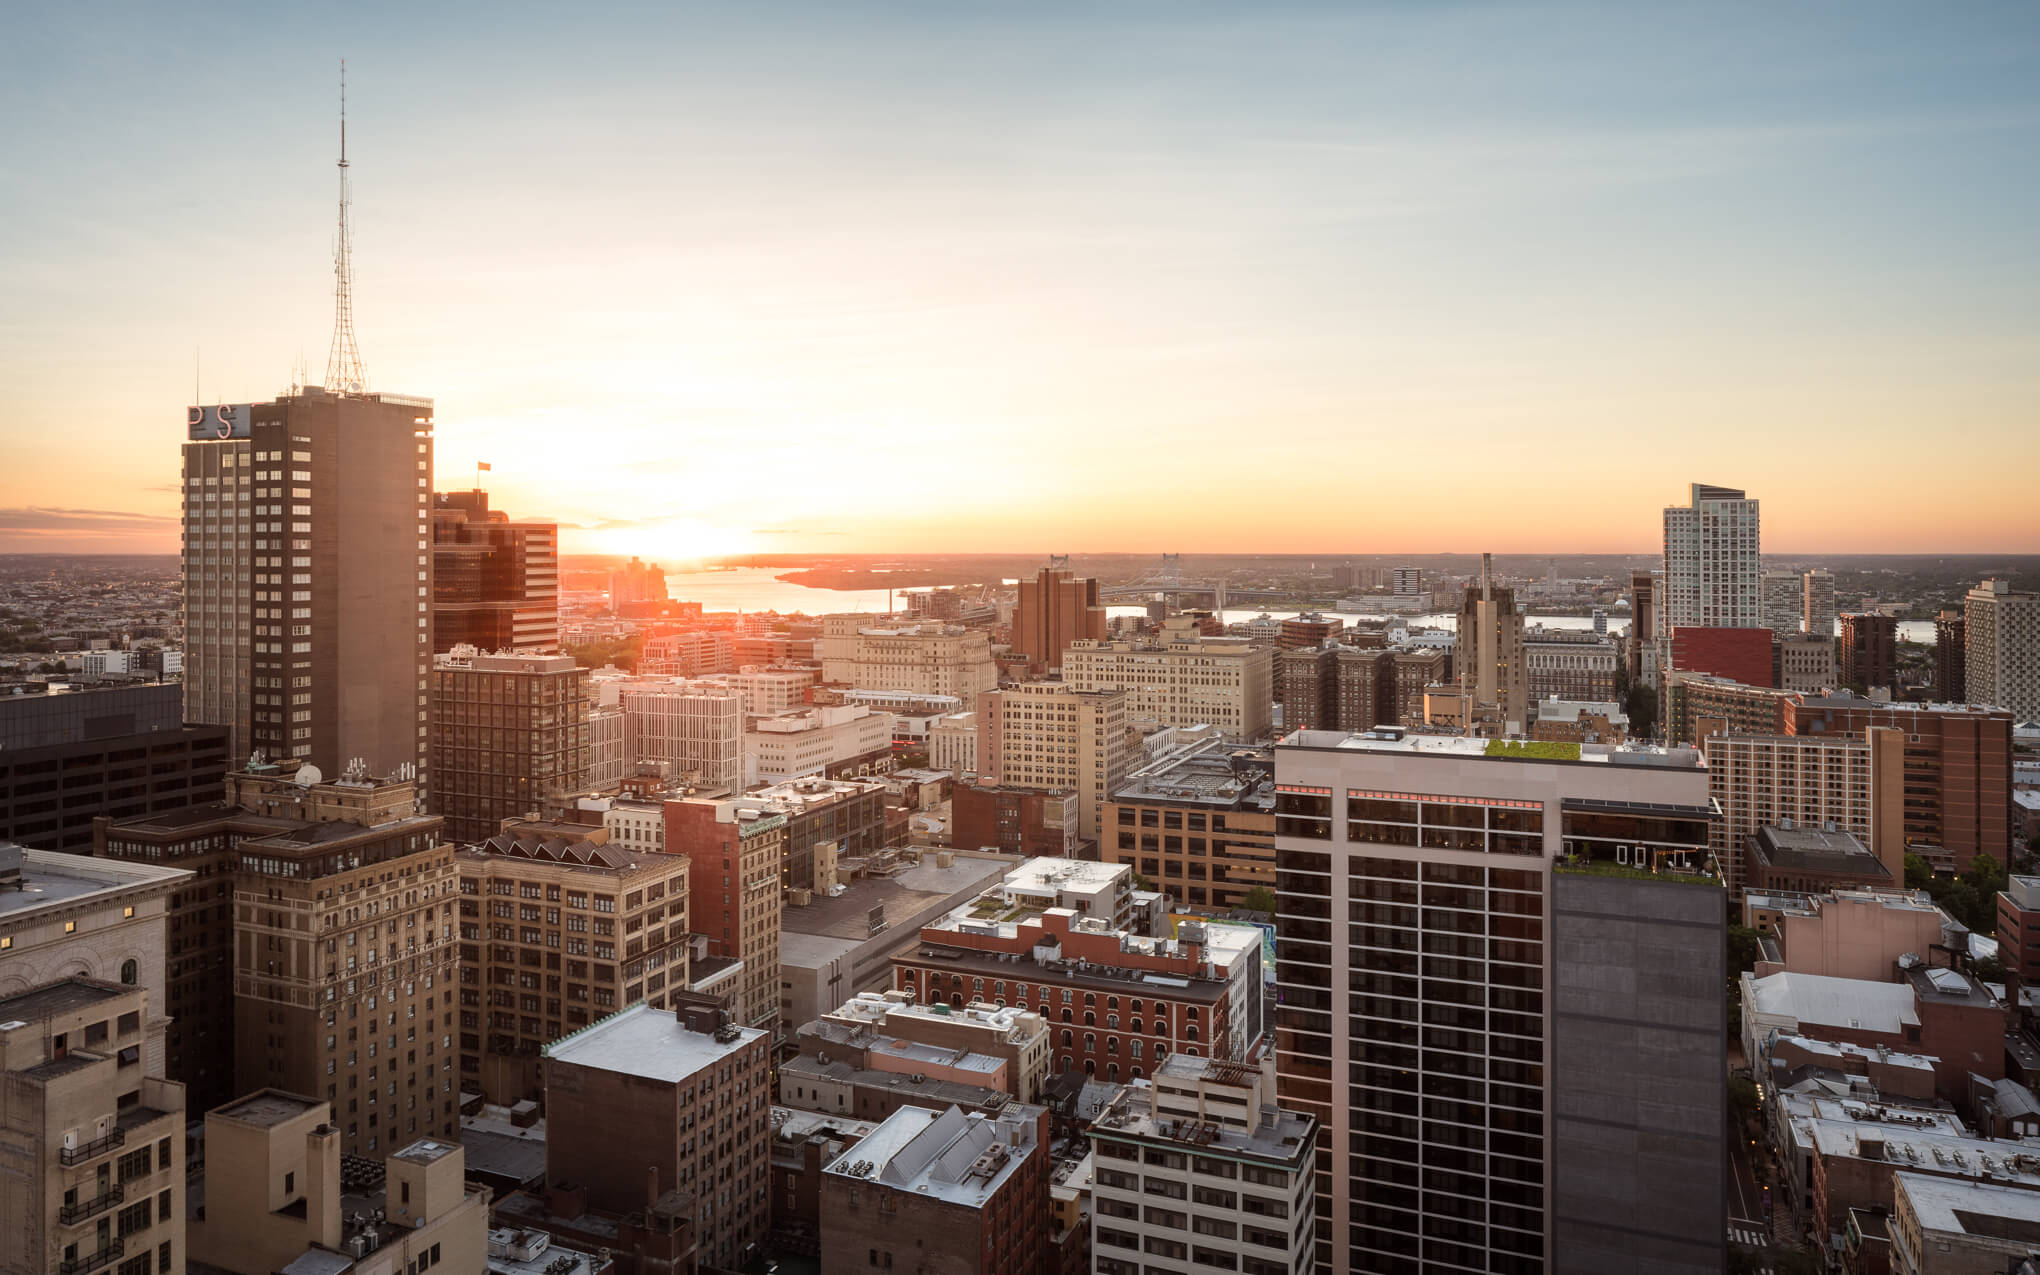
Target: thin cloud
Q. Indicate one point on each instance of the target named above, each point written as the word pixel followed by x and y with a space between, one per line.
pixel 44 518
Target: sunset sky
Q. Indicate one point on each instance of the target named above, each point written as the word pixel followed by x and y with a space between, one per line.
pixel 1080 277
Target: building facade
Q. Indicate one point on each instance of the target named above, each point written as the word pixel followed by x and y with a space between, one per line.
pixel 1854 783
pixel 1819 594
pixel 952 744
pixel 695 725
pixel 736 850
pixel 495 583
pixel 554 936
pixel 308 578
pixel 1199 824
pixel 2001 656
pixel 1057 607
pixel 1804 663
pixel 1052 736
pixel 834 741
pixel 1024 821
pixel 1951 641
pixel 1713 570
pixel 1784 602
pixel 1222 682
pixel 1869 650
pixel 1489 655
pixel 1569 665
pixel 509 732
pixel 1476 1027
pixel 925 659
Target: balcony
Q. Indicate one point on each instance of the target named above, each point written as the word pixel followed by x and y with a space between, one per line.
pixel 91 1150
pixel 104 1257
pixel 73 1213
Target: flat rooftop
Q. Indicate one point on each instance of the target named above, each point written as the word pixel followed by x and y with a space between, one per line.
pixel 1396 741
pixel 268 1107
pixel 650 1043
pixel 50 878
pixel 1283 1137
pixel 426 1151
pixel 947 1155
pixel 53 999
pixel 910 895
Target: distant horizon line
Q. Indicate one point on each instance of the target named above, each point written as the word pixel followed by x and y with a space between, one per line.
pixel 734 558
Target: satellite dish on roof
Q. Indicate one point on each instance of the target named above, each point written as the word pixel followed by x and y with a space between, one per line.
pixel 307 775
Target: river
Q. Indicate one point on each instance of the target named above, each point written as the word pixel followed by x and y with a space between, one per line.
pixel 760 589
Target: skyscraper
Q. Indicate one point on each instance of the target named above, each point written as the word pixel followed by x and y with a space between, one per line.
pixel 1515 1047
pixel 1819 609
pixel 1869 649
pixel 509 731
pixel 1713 562
pixel 1056 608
pixel 308 576
pixel 1951 643
pixel 1492 670
pixel 2001 664
pixel 495 583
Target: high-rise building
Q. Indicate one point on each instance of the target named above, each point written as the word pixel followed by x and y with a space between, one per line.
pixel 1958 769
pixel 509 731
pixel 1784 602
pixel 1053 736
pixel 1479 1076
pixel 1056 608
pixel 94 1134
pixel 1408 581
pixel 634 581
pixel 1490 659
pixel 67 757
pixel 607 926
pixel 2001 664
pixel 1951 642
pixel 308 577
pixel 1869 648
pixel 1185 680
pixel 697 726
pixel 1819 610
pixel 1307 687
pixel 736 849
pixel 1208 1134
pixel 1854 783
pixel 1713 562
pixel 495 583
pixel 1641 644
pixel 649 1101
pixel 867 652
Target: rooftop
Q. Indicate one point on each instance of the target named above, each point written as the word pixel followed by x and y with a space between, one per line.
pixel 1284 1137
pixel 1210 774
pixel 53 999
pixel 947 1155
pixel 50 878
pixel 268 1107
pixel 1395 740
pixel 1984 1209
pixel 1835 1002
pixel 425 1151
pixel 1806 849
pixel 649 1043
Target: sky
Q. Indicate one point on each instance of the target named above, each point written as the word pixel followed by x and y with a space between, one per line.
pixel 1136 277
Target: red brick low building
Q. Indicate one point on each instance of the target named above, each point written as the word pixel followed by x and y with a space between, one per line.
pixel 1025 821
pixel 1741 655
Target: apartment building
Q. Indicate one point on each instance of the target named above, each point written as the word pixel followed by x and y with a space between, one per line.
pixel 1853 783
pixel 509 731
pixel 1052 736
pixel 1698 704
pixel 1713 561
pixel 1474 1067
pixel 1951 641
pixel 696 726
pixel 927 659
pixel 1183 681
pixel 1869 649
pixel 1803 663
pixel 277 1199
pixel 1819 594
pixel 554 935
pixel 93 1134
pixel 1203 1172
pixel 966 1192
pixel 2001 656
pixel 737 849
pixel 1199 823
pixel 834 742
pixel 682 1097
pixel 1307 688
pixel 1784 602
pixel 1569 664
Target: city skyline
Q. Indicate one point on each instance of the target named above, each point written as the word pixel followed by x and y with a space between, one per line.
pixel 1065 261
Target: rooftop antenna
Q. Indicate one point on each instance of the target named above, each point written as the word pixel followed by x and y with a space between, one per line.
pixel 344 373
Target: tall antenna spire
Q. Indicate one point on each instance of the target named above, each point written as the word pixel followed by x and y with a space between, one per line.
pixel 344 372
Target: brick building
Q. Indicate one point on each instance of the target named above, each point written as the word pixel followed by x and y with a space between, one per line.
pixel 508 732
pixel 1740 655
pixel 1307 687
pixel 1026 821
pixel 1869 649
pixel 1200 826
pixel 736 849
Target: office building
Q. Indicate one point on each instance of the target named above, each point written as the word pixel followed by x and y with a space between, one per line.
pixel 1521 927
pixel 510 730
pixel 1489 655
pixel 1784 595
pixel 277 1198
pixel 1713 564
pixel 1307 687
pixel 1854 783
pixel 1307 631
pixel 1640 645
pixel 1185 680
pixel 965 1192
pixel 679 1098
pixel 1803 663
pixel 1951 642
pixel 1869 650
pixel 770 691
pixel 1568 664
pixel 836 742
pixel 1001 1048
pixel 93 1134
pixel 1203 1172
pixel 695 726
pixel 1022 821
pixel 553 936
pixel 1408 581
pixel 736 848
pixel 827 820
pixel 495 583
pixel 871 653
pixel 2001 657
pixel 308 578
pixel 1956 772
pixel 68 756
pixel 952 744
pixel 688 653
pixel 1819 611
pixel 606 747
pixel 64 914
pixel 1199 824
pixel 1052 736
pixel 1057 607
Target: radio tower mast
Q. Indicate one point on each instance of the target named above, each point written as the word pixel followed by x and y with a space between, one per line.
pixel 344 373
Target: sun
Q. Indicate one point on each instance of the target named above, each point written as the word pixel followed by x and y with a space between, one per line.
pixel 666 541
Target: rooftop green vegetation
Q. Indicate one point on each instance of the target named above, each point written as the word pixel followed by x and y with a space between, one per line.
pixel 1603 868
pixel 1533 749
